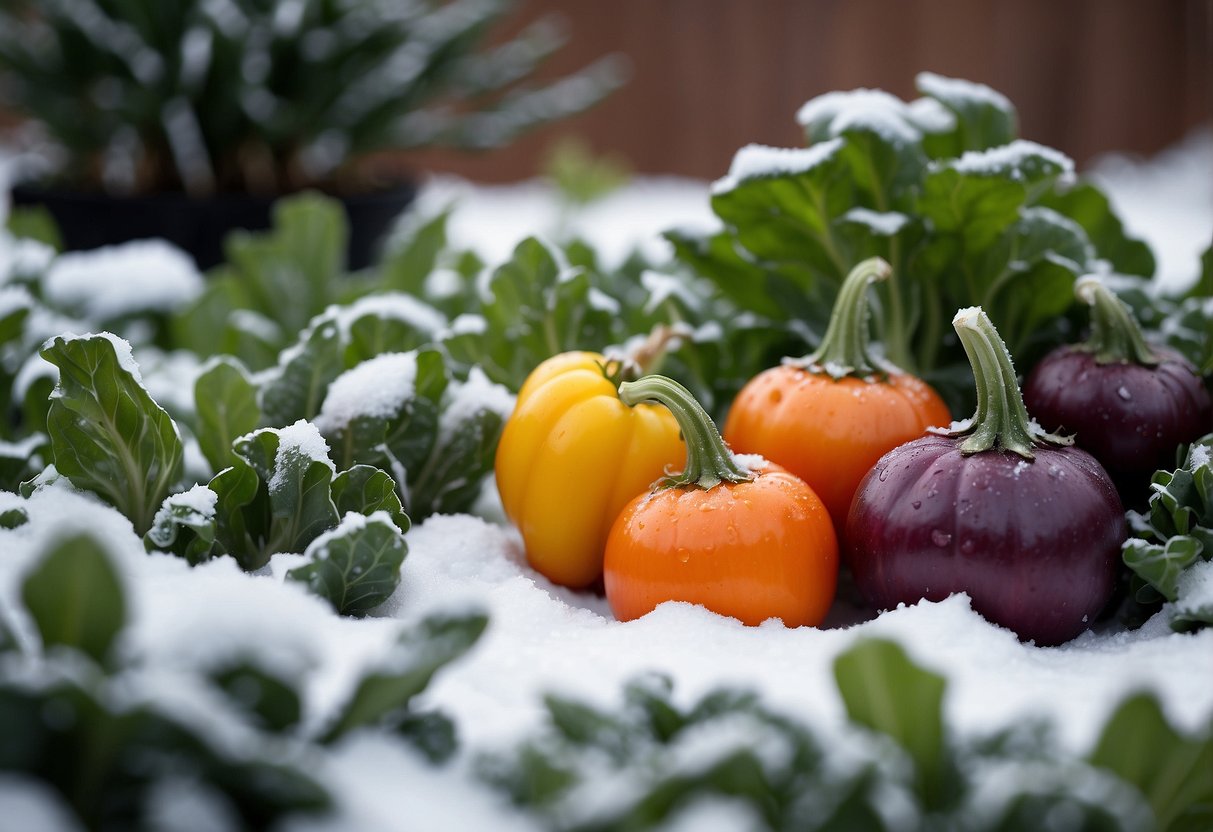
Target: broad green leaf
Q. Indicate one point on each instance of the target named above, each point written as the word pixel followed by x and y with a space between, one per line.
pixel 226 401
pixel 390 322
pixel 107 434
pixel 412 254
pixel 12 518
pixel 19 460
pixel 185 525
pixel 356 566
pixel 536 306
pixel 781 205
pixel 432 733
pixel 277 497
pixel 1162 565
pixel 1089 207
pixel 984 118
pixel 1174 772
pixel 296 388
pixel 979 195
pixel 291 272
pixel 884 691
pixel 75 597
pixel 273 702
pixel 366 489
pixel 384 693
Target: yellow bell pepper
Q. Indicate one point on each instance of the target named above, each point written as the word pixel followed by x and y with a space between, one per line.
pixel 571 457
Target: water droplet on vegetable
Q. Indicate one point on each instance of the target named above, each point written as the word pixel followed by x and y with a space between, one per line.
pixel 917 504
pixel 967 546
pixel 1124 393
pixel 684 554
pixel 940 538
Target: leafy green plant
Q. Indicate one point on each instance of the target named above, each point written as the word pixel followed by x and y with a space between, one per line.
pixel 901 768
pixel 269 97
pixel 940 187
pixel 1172 546
pixel 71 723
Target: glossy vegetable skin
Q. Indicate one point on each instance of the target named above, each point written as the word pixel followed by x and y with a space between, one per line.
pixel 828 417
pixel 1128 403
pixel 1029 527
pixel 751 544
pixel 571 456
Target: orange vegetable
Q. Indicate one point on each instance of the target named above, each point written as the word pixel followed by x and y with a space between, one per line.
pixel 751 544
pixel 830 416
pixel 571 456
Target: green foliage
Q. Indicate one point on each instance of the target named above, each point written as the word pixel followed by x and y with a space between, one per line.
pixel 383 695
pixel 34 223
pixel 270 97
pixel 940 188
pixel 107 435
pixel 1173 540
pixel 185 526
pixel 226 401
pixel 661 759
pixel 581 177
pixel 356 566
pixel 1172 771
pixel 76 599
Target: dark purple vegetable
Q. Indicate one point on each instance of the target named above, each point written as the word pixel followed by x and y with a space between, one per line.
pixel 1128 403
pixel 1027 525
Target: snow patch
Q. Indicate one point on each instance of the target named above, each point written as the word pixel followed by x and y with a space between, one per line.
pixel 756 161
pixel 117 281
pixel 376 388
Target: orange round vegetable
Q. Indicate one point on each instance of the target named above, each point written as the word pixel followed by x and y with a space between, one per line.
pixel 830 416
pixel 751 544
pixel 571 456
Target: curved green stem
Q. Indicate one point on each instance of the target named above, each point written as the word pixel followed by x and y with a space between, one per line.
pixel 844 349
pixel 1115 336
pixel 709 461
pixel 1001 420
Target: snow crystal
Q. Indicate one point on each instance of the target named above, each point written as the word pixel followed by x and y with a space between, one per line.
pixel 377 388
pixel 113 282
pixel 948 89
pixel 1009 158
pixel 885 223
pixel 1199 454
pixel 756 161
pixel 468 398
pixel 751 463
pixel 199 499
pixel 395 306
pixel 1195 589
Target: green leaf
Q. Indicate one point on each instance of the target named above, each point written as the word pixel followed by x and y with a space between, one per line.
pixel 1089 207
pixel 385 323
pixel 271 701
pixel 984 118
pixel 276 497
pixel 75 597
pixel 412 253
pixel 433 734
pixel 1174 772
pixel 356 566
pixel 296 388
pixel 35 223
pixel 537 306
pixel 13 518
pixel 1204 285
pixel 185 525
pixel 226 402
pixel 107 434
pixel 1162 565
pixel 884 691
pixel 383 694
pixel 291 272
pixel 366 489
pixel 20 460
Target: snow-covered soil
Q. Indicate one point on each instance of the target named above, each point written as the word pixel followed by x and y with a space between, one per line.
pixel 543 638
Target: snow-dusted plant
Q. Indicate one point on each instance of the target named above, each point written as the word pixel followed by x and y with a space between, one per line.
pixel 268 97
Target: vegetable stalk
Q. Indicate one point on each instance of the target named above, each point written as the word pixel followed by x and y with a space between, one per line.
pixel 844 349
pixel 709 461
pixel 1115 336
pixel 1001 420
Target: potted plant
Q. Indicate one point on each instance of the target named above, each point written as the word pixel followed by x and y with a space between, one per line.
pixel 183 119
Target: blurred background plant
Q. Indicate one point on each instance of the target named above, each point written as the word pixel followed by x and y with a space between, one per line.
pixel 271 96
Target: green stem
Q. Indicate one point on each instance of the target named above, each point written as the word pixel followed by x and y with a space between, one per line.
pixel 1001 420
pixel 709 461
pixel 1115 336
pixel 844 349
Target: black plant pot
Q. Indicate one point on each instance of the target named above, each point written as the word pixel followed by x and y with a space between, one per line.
pixel 199 226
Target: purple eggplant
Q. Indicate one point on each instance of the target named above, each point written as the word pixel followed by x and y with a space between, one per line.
pixel 1028 525
pixel 1128 403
